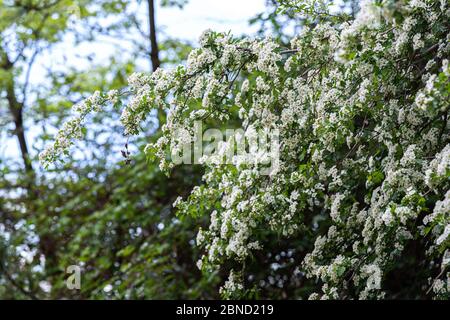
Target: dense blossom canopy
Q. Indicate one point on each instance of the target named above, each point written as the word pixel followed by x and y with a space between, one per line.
pixel 361 106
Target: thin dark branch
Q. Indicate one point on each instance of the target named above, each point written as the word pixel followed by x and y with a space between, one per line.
pixel 27 75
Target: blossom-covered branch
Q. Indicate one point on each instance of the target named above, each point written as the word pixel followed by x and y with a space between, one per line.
pixel 362 111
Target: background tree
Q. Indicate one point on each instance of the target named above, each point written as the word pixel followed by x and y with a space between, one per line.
pixel 75 214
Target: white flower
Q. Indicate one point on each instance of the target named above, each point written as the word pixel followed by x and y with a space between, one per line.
pixel 417 41
pixel 373 272
pixel 444 235
pixel 177 201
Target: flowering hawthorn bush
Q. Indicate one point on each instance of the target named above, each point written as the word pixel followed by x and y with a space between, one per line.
pixel 361 106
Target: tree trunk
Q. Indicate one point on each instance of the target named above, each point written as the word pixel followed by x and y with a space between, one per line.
pixel 16 109
pixel 23 143
pixel 154 51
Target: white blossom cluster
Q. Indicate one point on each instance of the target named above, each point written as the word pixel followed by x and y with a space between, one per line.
pixel 362 111
pixel 73 128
